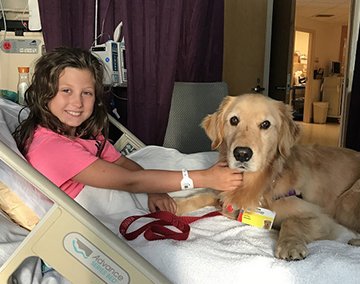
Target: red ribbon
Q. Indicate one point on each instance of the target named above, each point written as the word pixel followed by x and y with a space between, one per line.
pixel 156 229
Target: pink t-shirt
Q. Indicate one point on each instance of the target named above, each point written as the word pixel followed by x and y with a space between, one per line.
pixel 60 158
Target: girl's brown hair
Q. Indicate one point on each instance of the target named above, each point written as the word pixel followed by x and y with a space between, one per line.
pixel 44 86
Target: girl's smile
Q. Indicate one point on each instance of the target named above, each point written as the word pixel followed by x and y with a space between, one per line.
pixel 74 102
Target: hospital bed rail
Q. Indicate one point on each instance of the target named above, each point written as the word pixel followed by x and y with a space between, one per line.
pixel 68 223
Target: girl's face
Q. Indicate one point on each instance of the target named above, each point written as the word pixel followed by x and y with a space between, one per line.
pixel 74 101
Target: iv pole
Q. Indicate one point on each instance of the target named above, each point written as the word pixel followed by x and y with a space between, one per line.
pixel 96 22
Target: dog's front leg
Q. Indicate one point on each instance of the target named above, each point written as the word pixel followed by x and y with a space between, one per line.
pixel 296 232
pixel 300 223
pixel 292 241
pixel 196 201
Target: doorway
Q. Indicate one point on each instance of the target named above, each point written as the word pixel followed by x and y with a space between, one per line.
pixel 300 74
pixel 257 52
pixel 326 23
pixel 245 48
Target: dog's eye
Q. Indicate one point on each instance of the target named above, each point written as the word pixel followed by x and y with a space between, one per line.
pixel 265 124
pixel 234 121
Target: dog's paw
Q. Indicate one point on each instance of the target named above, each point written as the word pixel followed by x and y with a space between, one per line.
pixel 291 250
pixel 354 242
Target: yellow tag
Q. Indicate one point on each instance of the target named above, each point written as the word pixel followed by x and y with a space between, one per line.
pixel 260 217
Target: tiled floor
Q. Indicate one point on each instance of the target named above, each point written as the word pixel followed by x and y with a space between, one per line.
pixel 324 134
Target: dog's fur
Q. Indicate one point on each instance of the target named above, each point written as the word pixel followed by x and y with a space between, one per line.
pixel 258 135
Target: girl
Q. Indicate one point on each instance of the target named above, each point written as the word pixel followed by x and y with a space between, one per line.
pixel 65 136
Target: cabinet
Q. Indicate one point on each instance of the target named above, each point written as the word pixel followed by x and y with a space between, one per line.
pixel 332 88
pixel 298 99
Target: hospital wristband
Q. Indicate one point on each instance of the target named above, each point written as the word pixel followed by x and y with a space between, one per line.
pixel 186 182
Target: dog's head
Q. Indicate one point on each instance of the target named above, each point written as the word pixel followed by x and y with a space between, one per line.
pixel 251 130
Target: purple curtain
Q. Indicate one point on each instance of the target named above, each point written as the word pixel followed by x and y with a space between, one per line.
pixel 200 56
pixel 153 31
pixel 166 40
pixel 67 23
pixel 352 130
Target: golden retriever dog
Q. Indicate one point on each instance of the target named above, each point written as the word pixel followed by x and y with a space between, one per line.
pixel 314 190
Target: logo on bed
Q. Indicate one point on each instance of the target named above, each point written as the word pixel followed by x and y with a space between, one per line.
pixel 81 248
pixel 94 259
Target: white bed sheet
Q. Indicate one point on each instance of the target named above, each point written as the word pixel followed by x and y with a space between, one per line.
pixel 218 250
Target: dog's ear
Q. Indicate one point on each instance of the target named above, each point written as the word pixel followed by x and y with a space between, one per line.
pixel 213 124
pixel 210 125
pixel 289 131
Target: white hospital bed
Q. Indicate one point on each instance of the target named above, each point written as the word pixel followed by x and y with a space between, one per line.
pixel 218 250
pixel 67 226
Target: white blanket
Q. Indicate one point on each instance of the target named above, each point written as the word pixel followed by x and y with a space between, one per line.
pixel 218 250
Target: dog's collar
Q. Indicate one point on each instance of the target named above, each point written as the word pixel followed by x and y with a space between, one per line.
pixel 291 192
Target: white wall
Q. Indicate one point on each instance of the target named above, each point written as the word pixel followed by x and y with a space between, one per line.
pixel 301 42
pixel 326 40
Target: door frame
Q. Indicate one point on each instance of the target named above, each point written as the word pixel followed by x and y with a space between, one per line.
pixel 282 47
pixel 353 33
pixel 267 55
pixel 308 98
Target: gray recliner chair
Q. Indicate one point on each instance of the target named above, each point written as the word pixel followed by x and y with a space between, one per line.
pixel 190 103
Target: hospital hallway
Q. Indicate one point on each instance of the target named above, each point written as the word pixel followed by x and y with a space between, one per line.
pixel 324 134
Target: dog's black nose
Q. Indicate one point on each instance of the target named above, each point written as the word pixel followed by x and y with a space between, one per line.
pixel 243 154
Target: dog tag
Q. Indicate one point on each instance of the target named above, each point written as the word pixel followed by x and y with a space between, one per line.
pixel 260 217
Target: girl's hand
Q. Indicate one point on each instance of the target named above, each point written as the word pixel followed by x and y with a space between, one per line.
pixel 161 202
pixel 221 177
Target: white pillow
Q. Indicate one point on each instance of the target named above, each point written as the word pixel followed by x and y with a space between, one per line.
pixel 10 237
pixel 158 157
pixel 10 112
pixel 18 198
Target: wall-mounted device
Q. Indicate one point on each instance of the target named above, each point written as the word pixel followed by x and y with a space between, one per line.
pixel 20 45
pixel 18 51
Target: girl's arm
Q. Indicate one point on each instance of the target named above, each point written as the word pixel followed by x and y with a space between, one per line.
pixel 122 175
pixel 156 201
pixel 128 164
